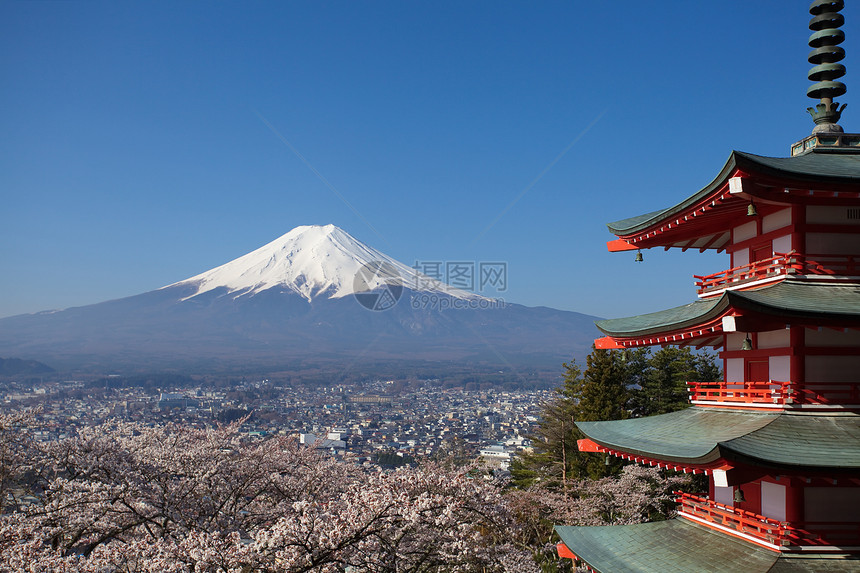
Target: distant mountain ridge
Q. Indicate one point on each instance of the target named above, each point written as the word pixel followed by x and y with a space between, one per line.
pixel 18 367
pixel 287 306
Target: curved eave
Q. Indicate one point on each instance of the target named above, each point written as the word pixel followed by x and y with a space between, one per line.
pixel 665 321
pixel 699 220
pixel 789 300
pixel 702 436
pixel 689 436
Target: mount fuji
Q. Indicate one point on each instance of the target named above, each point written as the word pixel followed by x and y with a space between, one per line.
pixel 315 298
pixel 314 261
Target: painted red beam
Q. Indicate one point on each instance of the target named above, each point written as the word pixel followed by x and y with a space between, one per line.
pixel 619 245
pixel 694 335
pixel 607 343
pixel 588 445
pixel 564 552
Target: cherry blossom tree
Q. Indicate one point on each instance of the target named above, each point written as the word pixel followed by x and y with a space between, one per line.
pixel 636 495
pixel 123 497
pixel 19 467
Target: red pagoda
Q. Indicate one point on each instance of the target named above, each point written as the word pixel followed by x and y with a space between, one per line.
pixel 779 438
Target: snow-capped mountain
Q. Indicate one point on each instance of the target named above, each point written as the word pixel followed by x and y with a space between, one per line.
pixel 311 260
pixel 286 307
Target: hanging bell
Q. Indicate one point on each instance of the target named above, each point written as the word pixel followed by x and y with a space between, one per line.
pixel 739 496
pixel 751 211
pixel 638 258
pixel 747 344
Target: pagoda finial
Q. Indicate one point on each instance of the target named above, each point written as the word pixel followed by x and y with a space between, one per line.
pixel 824 41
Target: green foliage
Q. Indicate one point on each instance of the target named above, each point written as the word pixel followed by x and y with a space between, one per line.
pixel 390 459
pixel 614 386
pixel 663 379
pixel 605 393
pixel 598 394
pixel 554 443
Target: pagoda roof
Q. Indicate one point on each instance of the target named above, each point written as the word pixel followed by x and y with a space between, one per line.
pixel 680 546
pixel 789 299
pixel 703 436
pixel 706 213
pixel 676 318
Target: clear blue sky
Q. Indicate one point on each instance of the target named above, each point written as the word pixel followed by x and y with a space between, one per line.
pixel 136 147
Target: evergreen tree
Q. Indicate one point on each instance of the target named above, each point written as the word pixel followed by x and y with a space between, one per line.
pixel 615 385
pixel 663 383
pixel 605 396
pixel 707 369
pixel 600 394
pixel 637 363
pixel 554 452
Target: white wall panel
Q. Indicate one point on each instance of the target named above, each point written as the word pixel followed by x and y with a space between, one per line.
pixel 776 220
pixel 744 232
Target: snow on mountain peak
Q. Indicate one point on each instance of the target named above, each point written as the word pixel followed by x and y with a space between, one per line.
pixel 309 260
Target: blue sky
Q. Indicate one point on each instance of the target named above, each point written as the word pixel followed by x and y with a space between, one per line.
pixel 143 143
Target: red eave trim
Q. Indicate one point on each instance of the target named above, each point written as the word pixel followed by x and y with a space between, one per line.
pixel 607 343
pixel 777 191
pixel 706 332
pixel 564 552
pixel 695 212
pixel 588 445
pixel 619 245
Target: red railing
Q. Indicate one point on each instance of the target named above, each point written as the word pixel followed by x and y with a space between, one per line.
pixel 742 521
pixel 781 264
pixel 781 534
pixel 776 392
pixel 769 392
pixel 841 265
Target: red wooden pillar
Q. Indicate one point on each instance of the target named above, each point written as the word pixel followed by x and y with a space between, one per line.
pixel 794 500
pixel 797 359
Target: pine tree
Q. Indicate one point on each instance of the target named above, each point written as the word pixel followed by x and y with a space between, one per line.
pixel 604 393
pixel 554 453
pixel 605 396
pixel 600 394
pixel 615 385
pixel 707 369
pixel 663 384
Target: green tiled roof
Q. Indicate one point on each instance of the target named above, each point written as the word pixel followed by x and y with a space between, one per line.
pixel 819 165
pixel 679 546
pixel 673 546
pixel 788 298
pixel 682 436
pixel 798 298
pixel 700 435
pixel 804 440
pixel 795 563
pixel 656 322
